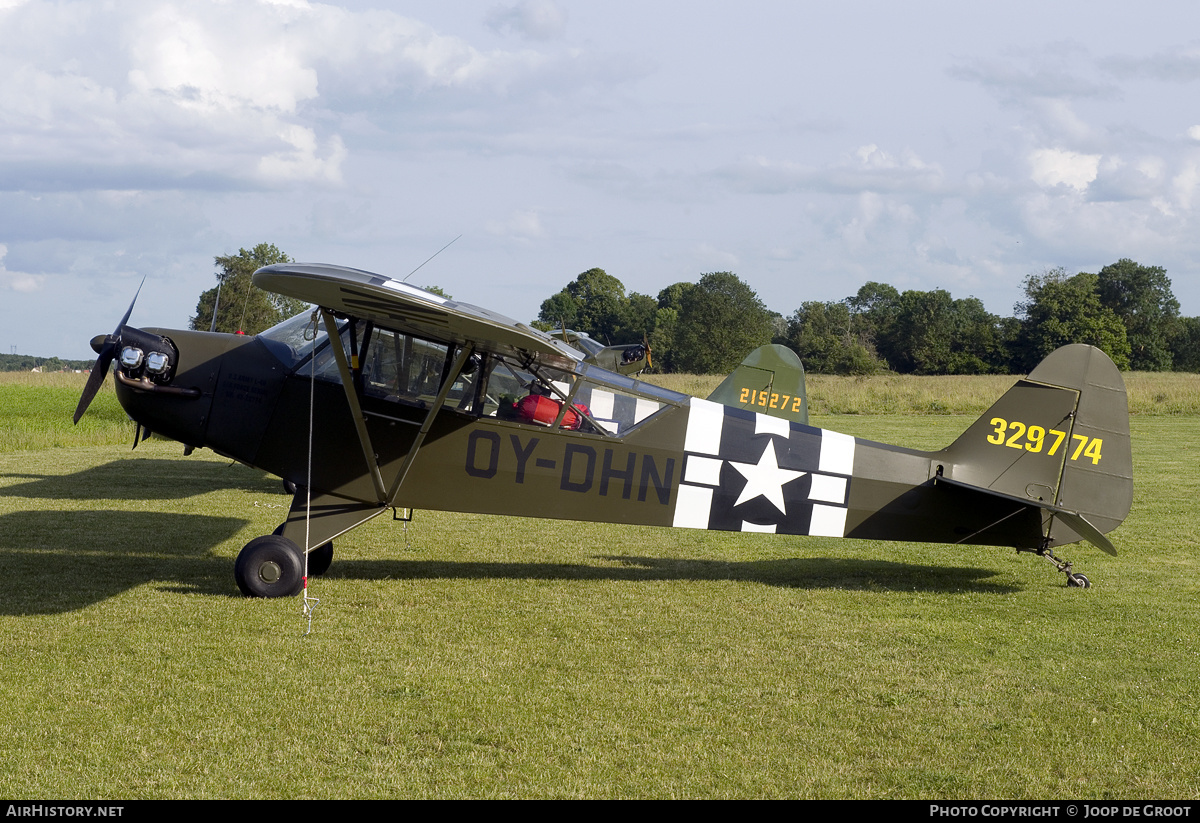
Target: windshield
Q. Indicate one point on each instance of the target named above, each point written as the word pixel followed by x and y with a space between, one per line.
pixel 293 340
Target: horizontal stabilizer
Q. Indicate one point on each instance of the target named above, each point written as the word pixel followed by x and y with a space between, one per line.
pixel 1073 519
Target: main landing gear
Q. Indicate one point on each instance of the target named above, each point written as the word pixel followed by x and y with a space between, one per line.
pixel 273 566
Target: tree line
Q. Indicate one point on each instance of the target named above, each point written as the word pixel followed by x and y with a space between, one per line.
pixel 1126 309
pixel 707 327
pixel 27 362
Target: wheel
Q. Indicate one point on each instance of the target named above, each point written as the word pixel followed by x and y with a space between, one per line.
pixel 289 487
pixel 1079 581
pixel 269 566
pixel 319 559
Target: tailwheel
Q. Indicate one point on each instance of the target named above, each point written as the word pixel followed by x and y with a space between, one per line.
pixel 270 566
pixel 1075 580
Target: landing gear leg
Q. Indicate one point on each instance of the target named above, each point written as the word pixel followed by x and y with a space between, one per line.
pixel 319 559
pixel 1074 578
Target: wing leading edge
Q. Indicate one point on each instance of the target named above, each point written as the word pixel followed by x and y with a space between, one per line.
pixel 396 305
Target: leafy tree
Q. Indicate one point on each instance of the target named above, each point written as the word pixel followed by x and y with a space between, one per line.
pixel 921 339
pixel 929 332
pixel 721 320
pixel 666 322
pixel 638 318
pixel 244 307
pixel 1059 309
pixel 1186 345
pixel 594 302
pixel 439 291
pixel 873 313
pixel 980 344
pixel 822 334
pixel 662 339
pixel 1141 297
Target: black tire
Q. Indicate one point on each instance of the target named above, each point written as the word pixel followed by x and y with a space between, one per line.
pixel 1079 581
pixel 269 566
pixel 319 559
pixel 289 488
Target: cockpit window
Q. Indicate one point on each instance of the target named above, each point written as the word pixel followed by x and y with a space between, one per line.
pixel 293 340
pixel 541 395
pixel 403 368
pixel 408 370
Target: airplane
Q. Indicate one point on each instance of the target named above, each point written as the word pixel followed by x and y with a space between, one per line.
pixel 388 397
pixel 629 360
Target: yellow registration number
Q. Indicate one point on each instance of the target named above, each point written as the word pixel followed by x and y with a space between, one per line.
pixel 1017 435
pixel 769 400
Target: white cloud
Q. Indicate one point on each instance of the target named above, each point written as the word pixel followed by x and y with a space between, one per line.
pixel 1054 167
pixel 1118 179
pixel 531 19
pixel 523 226
pixel 1186 183
pixel 302 161
pixel 867 168
pixel 1177 65
pixel 240 93
pixel 708 258
pixel 204 59
pixel 15 280
pixel 1054 71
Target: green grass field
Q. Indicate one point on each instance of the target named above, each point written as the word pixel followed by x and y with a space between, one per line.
pixel 496 657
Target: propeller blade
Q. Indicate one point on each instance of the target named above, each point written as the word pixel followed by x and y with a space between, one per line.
pixel 106 349
pixel 129 311
pixel 94 381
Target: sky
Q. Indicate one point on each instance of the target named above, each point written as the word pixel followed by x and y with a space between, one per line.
pixel 807 147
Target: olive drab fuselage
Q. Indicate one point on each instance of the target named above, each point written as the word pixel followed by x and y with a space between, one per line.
pixel 417 402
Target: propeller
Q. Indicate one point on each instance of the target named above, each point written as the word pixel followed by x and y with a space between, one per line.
pixel 646 345
pixel 106 347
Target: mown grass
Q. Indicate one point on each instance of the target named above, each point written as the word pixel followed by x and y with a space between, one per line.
pixel 497 657
pixel 36 411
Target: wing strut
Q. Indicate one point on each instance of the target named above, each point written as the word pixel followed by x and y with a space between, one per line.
pixel 360 423
pixel 447 383
pixel 387 496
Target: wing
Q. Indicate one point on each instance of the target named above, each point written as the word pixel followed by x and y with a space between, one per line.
pixel 398 306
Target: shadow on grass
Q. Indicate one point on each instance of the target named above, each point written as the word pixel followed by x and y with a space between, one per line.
pixel 142 479
pixel 803 573
pixel 59 561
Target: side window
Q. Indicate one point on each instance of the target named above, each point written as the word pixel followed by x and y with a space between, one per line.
pixel 537 395
pixel 403 368
pixel 398 366
pixel 615 410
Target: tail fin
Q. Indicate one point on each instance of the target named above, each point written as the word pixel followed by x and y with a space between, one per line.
pixel 1059 439
pixel 769 381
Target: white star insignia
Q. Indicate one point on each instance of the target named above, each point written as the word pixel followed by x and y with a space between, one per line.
pixel 765 479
